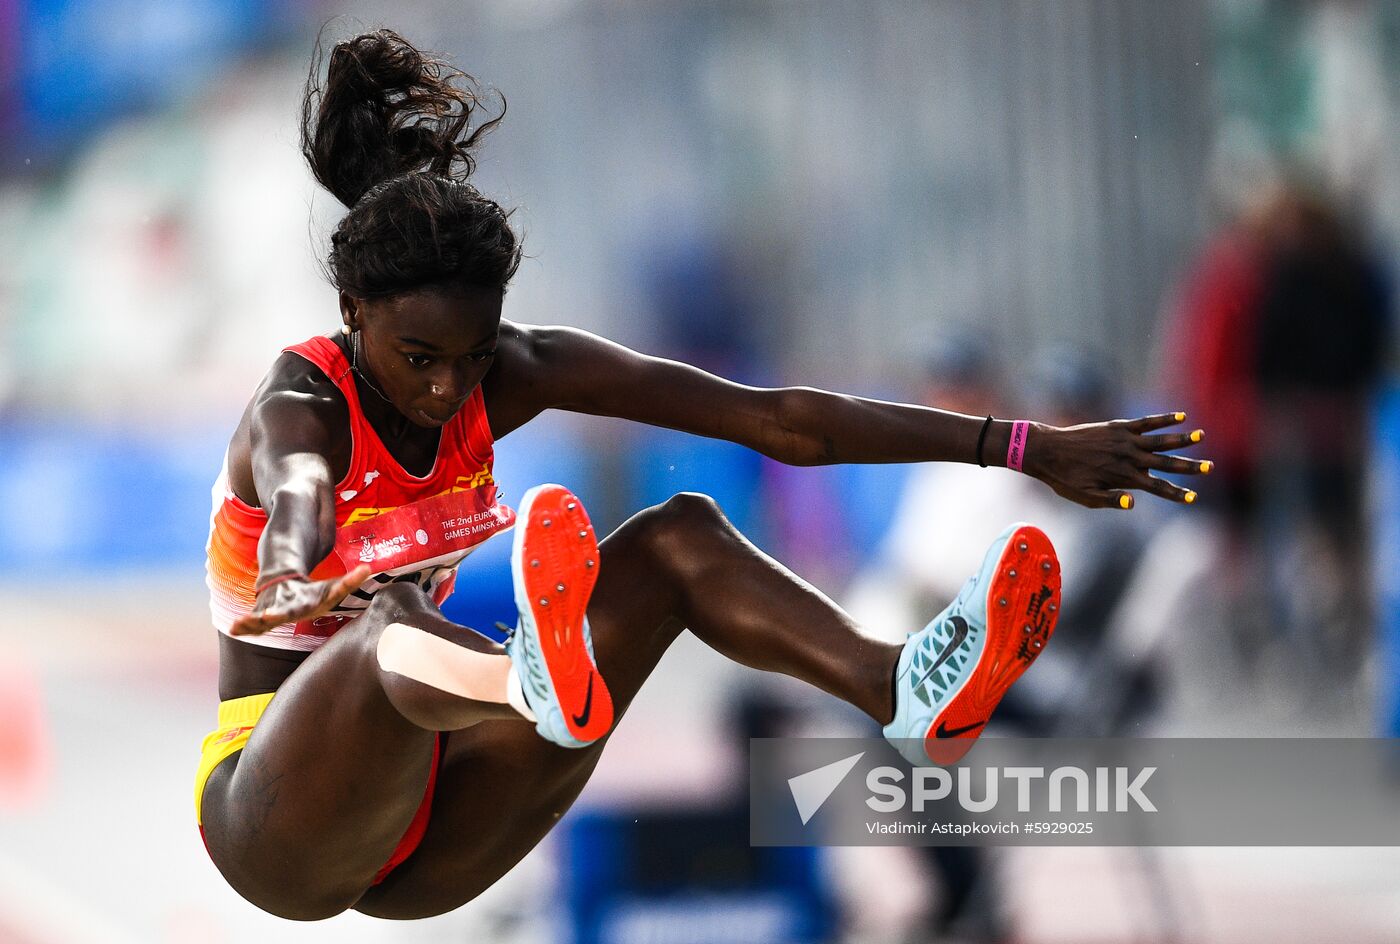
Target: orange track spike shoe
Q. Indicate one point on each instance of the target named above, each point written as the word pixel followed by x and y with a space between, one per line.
pixel 554 565
pixel 953 673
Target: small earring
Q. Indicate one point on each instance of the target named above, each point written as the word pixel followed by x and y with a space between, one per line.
pixel 345 330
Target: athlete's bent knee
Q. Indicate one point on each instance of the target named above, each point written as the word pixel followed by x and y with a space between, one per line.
pixel 692 505
pixel 684 512
pixel 669 532
pixel 396 602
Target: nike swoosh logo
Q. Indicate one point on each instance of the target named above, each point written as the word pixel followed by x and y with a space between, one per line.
pixel 581 719
pixel 946 732
pixel 959 634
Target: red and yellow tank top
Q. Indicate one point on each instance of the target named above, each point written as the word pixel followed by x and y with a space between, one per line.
pixel 404 526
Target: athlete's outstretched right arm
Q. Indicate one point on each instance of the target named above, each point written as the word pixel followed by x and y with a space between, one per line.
pixel 291 433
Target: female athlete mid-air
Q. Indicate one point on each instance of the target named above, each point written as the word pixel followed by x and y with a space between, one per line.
pixel 372 755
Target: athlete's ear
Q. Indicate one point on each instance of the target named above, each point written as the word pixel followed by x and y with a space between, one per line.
pixel 349 312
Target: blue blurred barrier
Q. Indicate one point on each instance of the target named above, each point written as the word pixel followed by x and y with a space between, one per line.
pixel 872 494
pixel 666 462
pixel 103 501
pixel 1386 507
pixel 107 499
pixel 92 499
pixel 686 877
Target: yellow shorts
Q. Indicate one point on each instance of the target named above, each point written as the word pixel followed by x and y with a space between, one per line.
pixel 237 717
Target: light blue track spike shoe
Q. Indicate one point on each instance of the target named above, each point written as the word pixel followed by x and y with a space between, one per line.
pixel 953 673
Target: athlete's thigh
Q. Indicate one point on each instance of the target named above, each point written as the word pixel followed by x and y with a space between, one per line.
pixel 301 819
pixel 502 787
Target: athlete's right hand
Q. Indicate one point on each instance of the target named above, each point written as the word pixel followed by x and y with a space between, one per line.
pixel 290 601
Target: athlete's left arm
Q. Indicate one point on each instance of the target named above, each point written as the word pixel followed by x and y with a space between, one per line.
pixel 540 368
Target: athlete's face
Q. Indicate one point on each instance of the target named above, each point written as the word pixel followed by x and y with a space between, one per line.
pixel 426 351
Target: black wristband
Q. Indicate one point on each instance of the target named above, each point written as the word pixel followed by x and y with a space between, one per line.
pixel 982 440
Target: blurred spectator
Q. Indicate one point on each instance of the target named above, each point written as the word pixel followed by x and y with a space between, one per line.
pixel 1321 349
pixel 1210 353
pixel 1277 341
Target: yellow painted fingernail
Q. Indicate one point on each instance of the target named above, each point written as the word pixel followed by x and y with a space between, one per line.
pixel 1206 467
pixel 1190 497
pixel 1180 417
pixel 1125 502
pixel 1197 434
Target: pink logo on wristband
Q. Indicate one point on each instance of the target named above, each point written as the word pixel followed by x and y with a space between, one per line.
pixel 1016 449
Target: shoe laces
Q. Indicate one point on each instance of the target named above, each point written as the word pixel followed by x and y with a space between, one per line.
pixel 534 661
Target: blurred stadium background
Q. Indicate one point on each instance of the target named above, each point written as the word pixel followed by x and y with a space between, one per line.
pixel 1042 207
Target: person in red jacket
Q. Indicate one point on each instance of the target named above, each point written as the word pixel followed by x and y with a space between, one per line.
pixel 370 754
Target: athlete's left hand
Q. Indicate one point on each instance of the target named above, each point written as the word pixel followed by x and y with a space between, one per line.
pixel 1096 464
pixel 290 601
